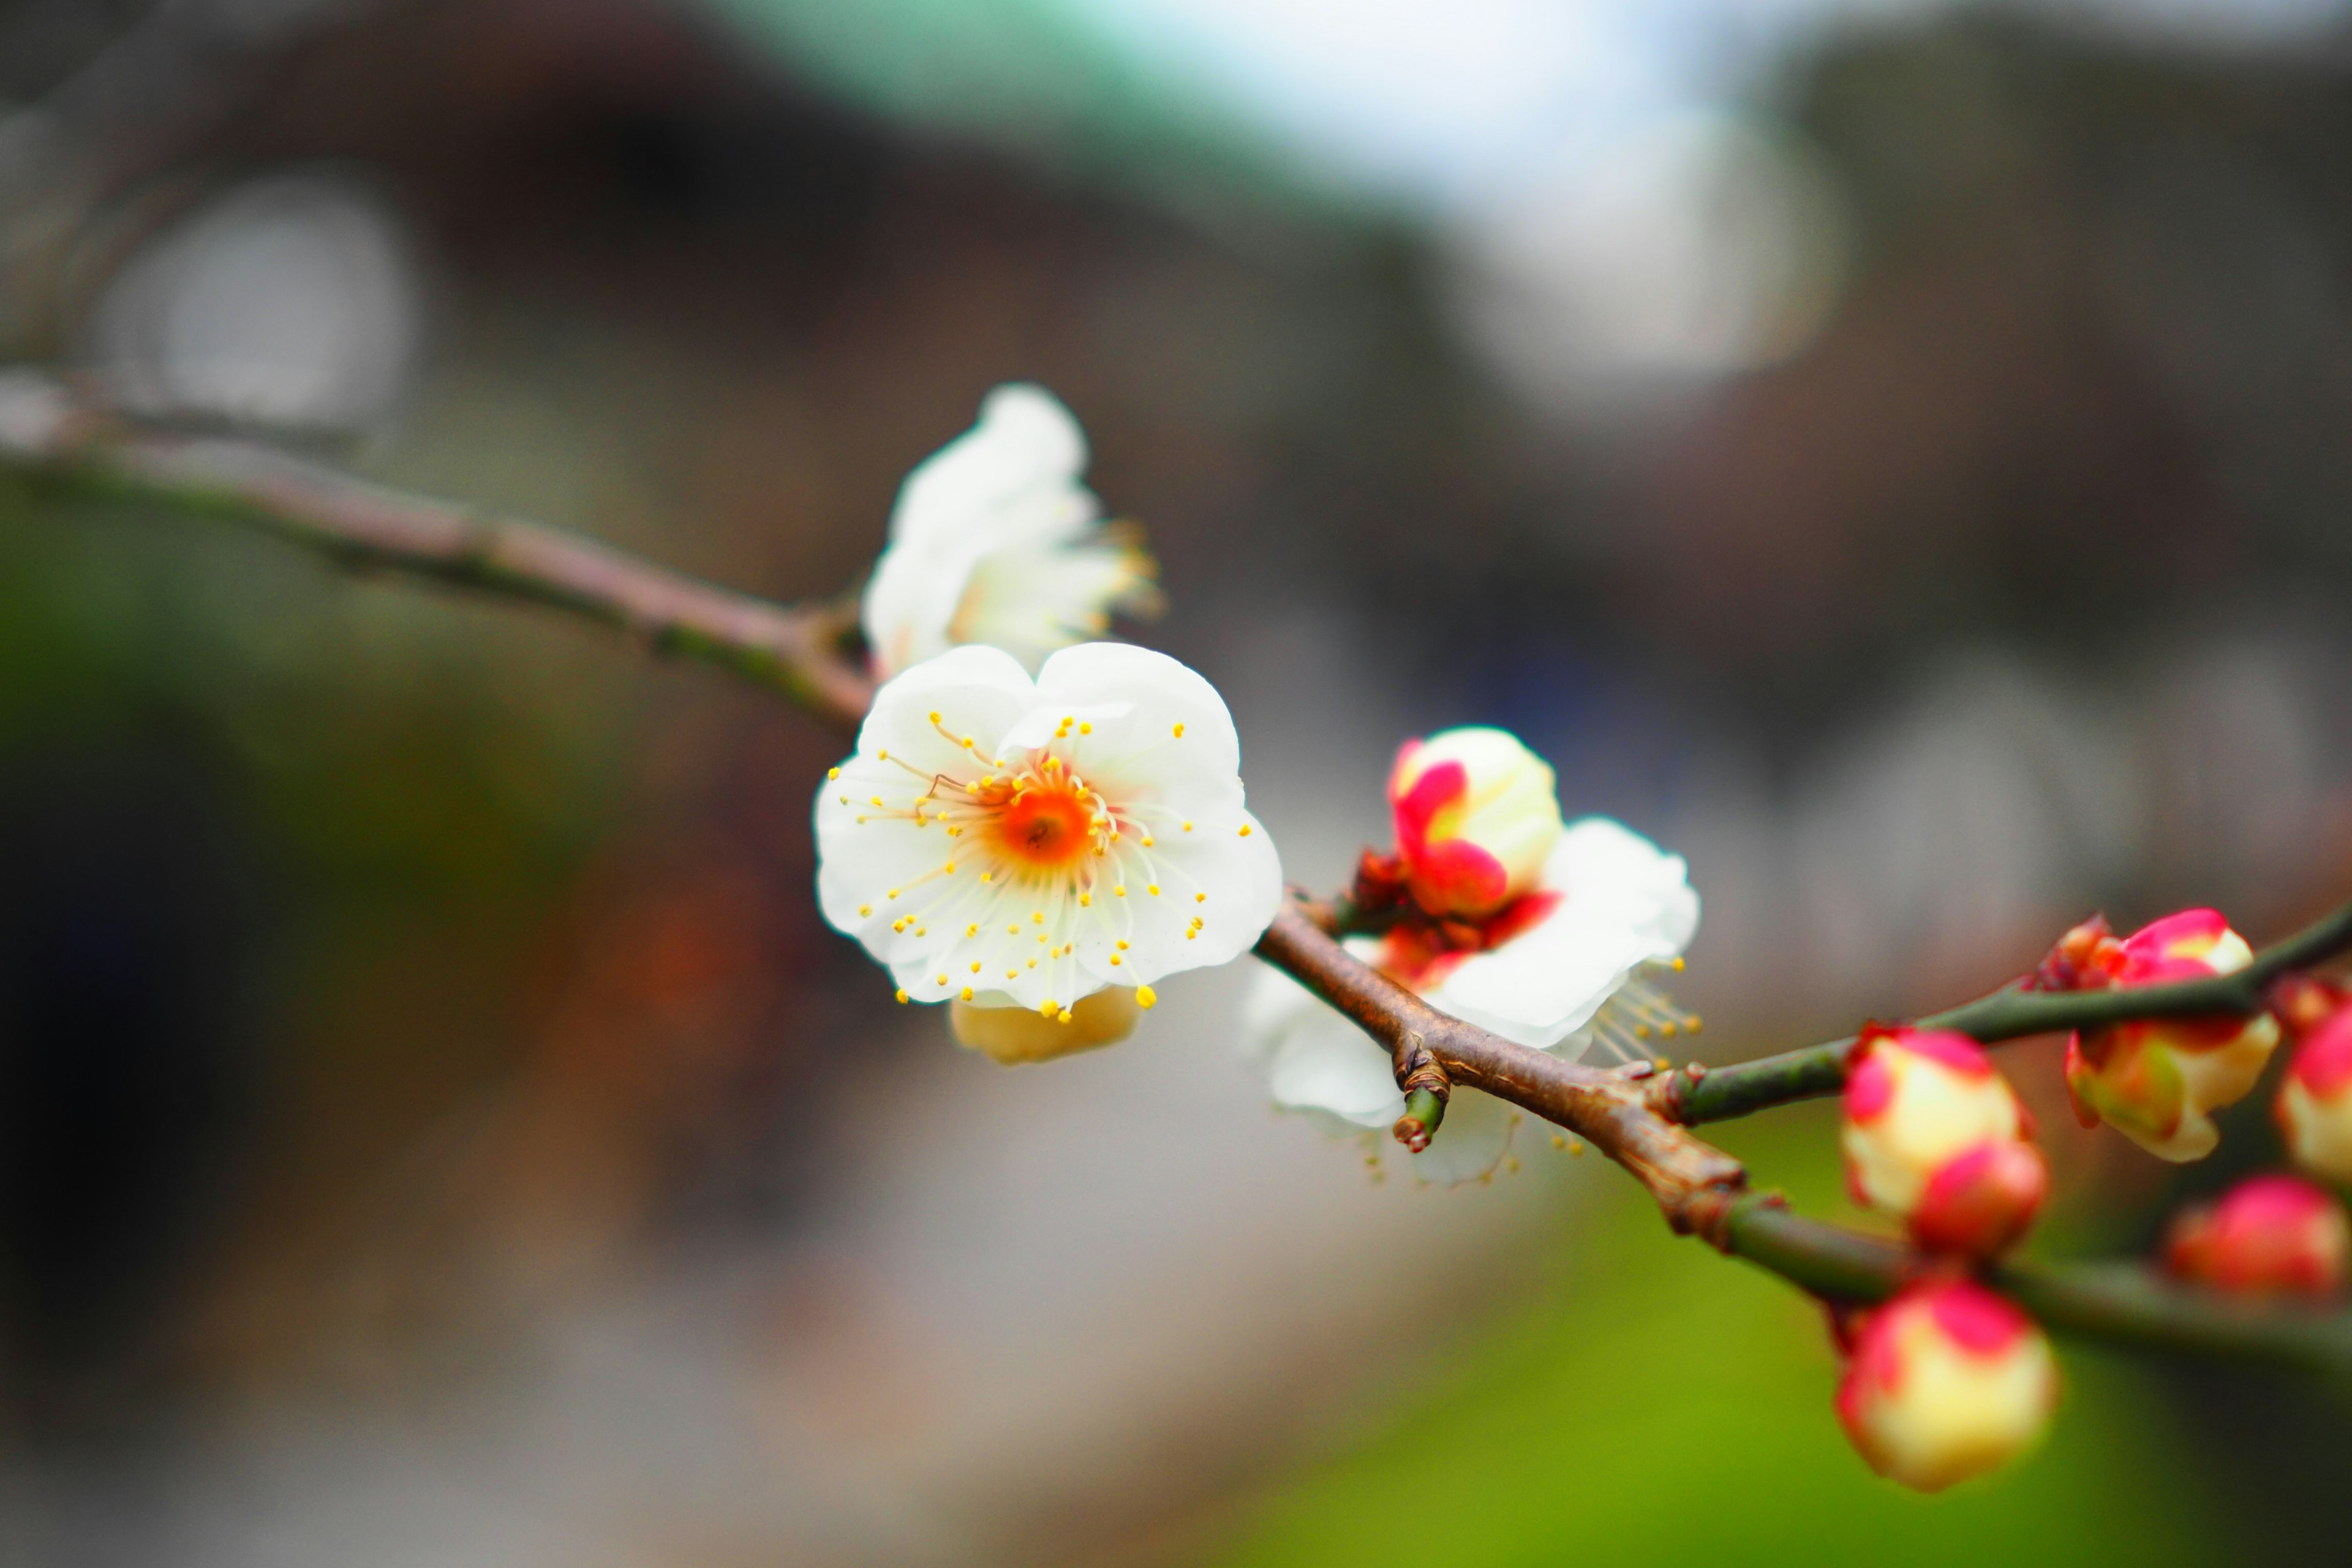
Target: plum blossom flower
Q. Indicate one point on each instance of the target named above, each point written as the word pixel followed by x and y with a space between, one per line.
pixel 2315 1103
pixel 1007 843
pixel 2268 1235
pixel 2157 1079
pixel 1936 1137
pixel 994 541
pixel 1556 968
pixel 1945 1381
pixel 1477 818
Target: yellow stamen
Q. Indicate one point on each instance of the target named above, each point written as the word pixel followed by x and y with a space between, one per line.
pixel 1145 997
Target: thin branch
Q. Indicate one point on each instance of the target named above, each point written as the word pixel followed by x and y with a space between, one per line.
pixel 2118 1302
pixel 793 650
pixel 1702 1191
pixel 1633 1119
pixel 1717 1094
pixel 1605 1108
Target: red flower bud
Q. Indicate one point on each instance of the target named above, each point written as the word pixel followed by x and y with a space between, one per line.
pixel 1936 1137
pixel 2155 1079
pixel 2269 1234
pixel 1947 1381
pixel 2315 1103
pixel 1477 816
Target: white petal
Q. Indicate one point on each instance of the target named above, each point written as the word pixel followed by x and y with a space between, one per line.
pixel 1623 902
pixel 911 602
pixel 1008 484
pixel 1165 694
pixel 1315 1059
pixel 1230 882
pixel 977 692
pixel 1543 983
pixel 1031 599
pixel 1020 459
pixel 1609 871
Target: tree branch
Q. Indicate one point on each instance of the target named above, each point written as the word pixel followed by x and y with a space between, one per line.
pixel 2120 1302
pixel 1604 1108
pixel 795 650
pixel 1718 1094
pixel 1634 1119
pixel 1702 1191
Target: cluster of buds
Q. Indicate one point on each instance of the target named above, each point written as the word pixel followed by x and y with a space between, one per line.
pixel 2269 1235
pixel 1945 1382
pixel 1937 1138
pixel 2157 1080
pixel 2315 1103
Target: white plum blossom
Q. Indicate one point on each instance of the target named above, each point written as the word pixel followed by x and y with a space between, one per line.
pixel 1009 843
pixel 994 541
pixel 1560 969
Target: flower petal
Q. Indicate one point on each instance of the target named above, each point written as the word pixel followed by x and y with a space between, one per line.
pixel 1165 693
pixel 1009 483
pixel 1015 471
pixel 1623 903
pixel 1189 901
pixel 1608 870
pixel 1314 1058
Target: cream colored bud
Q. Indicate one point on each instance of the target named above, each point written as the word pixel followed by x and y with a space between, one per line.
pixel 1478 813
pixel 1016 1035
pixel 1947 1382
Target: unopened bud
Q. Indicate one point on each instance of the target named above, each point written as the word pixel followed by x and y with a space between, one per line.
pixel 2271 1234
pixel 2315 1103
pixel 2156 1081
pixel 1936 1137
pixel 1016 1035
pixel 1477 816
pixel 1947 1381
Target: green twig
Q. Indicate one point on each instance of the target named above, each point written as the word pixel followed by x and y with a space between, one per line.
pixel 2012 1012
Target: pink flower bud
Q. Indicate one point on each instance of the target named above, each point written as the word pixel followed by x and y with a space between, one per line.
pixel 1477 816
pixel 1936 1137
pixel 1947 1381
pixel 2155 1079
pixel 2315 1103
pixel 2269 1234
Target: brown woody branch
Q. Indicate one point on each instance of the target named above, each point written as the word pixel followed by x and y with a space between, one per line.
pixel 49 434
pixel 1689 1179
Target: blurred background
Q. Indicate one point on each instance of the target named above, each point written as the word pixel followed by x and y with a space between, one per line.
pixel 1892 452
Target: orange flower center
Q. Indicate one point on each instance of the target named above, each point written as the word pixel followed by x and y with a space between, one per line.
pixel 1046 822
